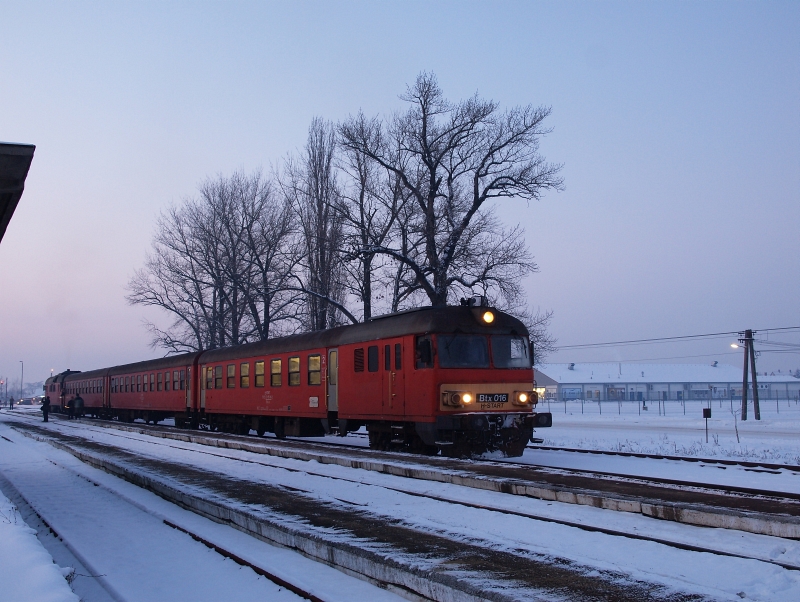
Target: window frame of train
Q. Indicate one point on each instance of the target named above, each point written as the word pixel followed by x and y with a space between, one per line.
pixel 230 376
pixel 218 377
pixel 315 369
pixel 423 359
pixel 127 383
pixel 398 356
pixel 275 373
pixel 159 381
pixel 144 384
pixel 152 382
pixel 372 358
pixel 294 371
pixel 244 375
pixel 259 372
pixel 167 381
pixel 209 380
pixel 176 380
pixel 183 379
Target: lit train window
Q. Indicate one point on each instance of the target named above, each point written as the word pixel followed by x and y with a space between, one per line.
pixel 274 373
pixel 231 376
pixel 217 377
pixel 372 358
pixel 387 357
pixel 314 369
pixel 294 371
pixel 260 373
pixel 160 384
pixel 358 360
pixel 398 356
pixel 244 375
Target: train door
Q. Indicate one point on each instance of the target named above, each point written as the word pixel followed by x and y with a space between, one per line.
pixel 394 390
pixel 203 387
pixel 332 380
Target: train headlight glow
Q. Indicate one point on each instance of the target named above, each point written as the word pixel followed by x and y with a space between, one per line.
pixel 466 398
pixel 523 398
pixel 457 399
pixel 488 317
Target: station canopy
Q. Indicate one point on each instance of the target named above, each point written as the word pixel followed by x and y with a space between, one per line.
pixel 15 160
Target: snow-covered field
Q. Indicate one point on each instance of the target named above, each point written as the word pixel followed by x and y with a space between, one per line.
pixel 717 577
pixel 678 430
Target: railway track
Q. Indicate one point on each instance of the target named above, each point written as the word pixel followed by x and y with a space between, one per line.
pixel 738 508
pixel 741 549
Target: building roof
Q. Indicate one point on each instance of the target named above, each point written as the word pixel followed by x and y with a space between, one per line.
pixel 610 373
pixel 15 160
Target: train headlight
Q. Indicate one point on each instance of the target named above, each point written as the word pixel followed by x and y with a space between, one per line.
pixel 457 398
pixel 523 398
pixel 488 317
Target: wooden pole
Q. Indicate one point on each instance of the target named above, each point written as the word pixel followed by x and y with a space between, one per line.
pixel 744 378
pixel 756 408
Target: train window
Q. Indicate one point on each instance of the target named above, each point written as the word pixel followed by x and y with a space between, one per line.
pixel 127 383
pixel 314 369
pixel 152 382
pixel 463 351
pixel 372 358
pixel 139 383
pixel 217 377
pixel 145 384
pixel 100 387
pixel 244 375
pixel 166 381
pixel 183 380
pixel 275 373
pixel 358 359
pixel 424 352
pixel 160 384
pixel 231 376
pixel 210 378
pixel 294 371
pixel 398 356
pixel 176 383
pixel 259 373
pixel 387 357
pixel 510 352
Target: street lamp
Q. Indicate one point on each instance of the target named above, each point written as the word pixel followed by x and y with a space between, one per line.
pixel 734 345
pixel 21 380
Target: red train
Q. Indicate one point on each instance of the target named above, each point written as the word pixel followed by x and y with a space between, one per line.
pixel 453 379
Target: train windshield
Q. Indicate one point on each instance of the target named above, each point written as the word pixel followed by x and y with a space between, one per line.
pixel 510 352
pixel 463 351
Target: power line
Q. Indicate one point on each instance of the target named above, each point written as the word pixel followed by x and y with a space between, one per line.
pixel 668 339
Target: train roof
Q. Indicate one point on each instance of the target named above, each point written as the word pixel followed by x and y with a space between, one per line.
pixel 451 319
pixel 443 320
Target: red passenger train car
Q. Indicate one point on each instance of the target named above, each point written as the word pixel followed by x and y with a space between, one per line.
pixel 453 379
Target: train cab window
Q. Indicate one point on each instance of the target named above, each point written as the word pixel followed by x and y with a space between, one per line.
pixel 372 358
pixel 176 383
pixel 160 384
pixel 510 352
pixel 166 381
pixel 127 383
pixel 387 357
pixel 183 380
pixel 244 375
pixel 274 373
pixel 217 377
pixel 259 373
pixel 294 371
pixel 231 376
pixel 398 356
pixel 463 351
pixel 210 378
pixel 358 360
pixel 424 352
pixel 152 382
pixel 314 369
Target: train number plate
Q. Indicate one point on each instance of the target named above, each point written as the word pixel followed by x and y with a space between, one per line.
pixel 492 397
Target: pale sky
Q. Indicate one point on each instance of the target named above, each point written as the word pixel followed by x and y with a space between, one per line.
pixel 677 124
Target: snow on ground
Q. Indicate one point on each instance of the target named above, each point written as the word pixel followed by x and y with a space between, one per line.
pixel 118 530
pixel 384 496
pixel 677 429
pixel 27 571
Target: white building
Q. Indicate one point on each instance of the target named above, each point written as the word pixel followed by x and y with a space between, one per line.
pixel 645 382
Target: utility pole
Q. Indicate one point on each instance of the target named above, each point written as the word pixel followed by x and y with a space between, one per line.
pixel 749 354
pixel 21 380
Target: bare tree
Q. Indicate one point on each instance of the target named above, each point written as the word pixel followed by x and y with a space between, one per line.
pixel 309 183
pixel 452 159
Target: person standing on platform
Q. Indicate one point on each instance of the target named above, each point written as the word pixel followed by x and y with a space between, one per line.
pixel 11 403
pixel 46 407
